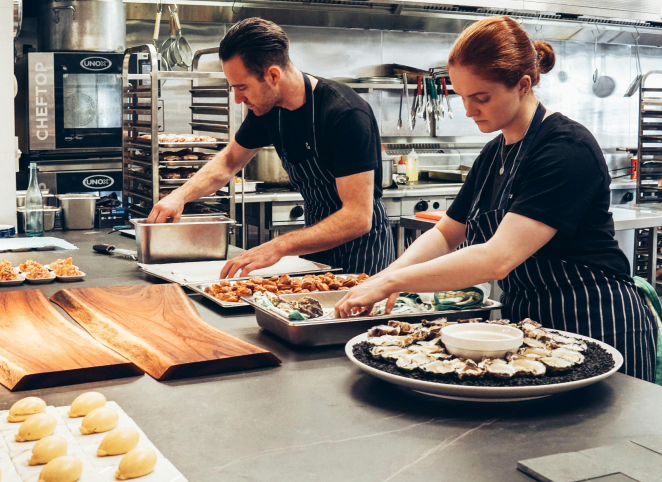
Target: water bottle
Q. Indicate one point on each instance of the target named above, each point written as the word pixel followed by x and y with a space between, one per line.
pixel 34 205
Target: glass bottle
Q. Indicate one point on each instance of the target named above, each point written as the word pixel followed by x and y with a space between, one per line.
pixel 34 205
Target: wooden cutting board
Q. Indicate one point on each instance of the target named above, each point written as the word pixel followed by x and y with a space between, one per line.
pixel 158 328
pixel 39 348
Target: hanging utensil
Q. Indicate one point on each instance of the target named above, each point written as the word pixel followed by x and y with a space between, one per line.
pixel 424 108
pixel 419 94
pixel 634 86
pixel 406 91
pixel 595 55
pixel 180 49
pixel 157 26
pixel 402 93
pixel 165 46
pixel 414 105
pixel 448 100
pixel 442 112
pixel 428 97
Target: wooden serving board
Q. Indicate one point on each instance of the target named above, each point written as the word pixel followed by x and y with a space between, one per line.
pixel 158 328
pixel 39 348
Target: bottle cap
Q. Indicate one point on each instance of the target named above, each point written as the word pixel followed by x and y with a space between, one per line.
pixel 402 160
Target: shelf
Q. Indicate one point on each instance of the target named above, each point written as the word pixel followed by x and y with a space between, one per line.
pixel 177 75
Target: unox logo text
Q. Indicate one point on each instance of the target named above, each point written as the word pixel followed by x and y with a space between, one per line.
pixel 95 63
pixel 98 181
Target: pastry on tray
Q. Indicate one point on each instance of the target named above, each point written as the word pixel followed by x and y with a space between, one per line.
pixel 232 291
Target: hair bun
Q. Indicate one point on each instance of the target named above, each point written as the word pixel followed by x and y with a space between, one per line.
pixel 546 56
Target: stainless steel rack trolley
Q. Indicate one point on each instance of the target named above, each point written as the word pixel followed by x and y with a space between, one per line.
pixel 649 171
pixel 145 160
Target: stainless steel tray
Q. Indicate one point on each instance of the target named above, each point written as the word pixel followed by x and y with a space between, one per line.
pixel 200 287
pixel 198 238
pixel 333 332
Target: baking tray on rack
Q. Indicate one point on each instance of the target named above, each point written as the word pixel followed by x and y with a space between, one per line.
pixel 148 143
pixel 340 331
pixel 207 272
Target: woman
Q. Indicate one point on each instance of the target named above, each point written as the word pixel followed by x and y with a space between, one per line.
pixel 533 210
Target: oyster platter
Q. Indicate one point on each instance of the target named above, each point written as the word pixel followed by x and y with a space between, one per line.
pixel 546 362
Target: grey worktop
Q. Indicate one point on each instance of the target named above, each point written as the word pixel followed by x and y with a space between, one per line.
pixel 450 189
pixel 318 418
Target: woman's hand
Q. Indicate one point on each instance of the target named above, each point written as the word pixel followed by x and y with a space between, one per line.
pixel 362 298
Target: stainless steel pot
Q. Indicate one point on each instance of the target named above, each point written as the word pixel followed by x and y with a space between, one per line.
pixel 267 167
pixel 387 173
pixel 82 25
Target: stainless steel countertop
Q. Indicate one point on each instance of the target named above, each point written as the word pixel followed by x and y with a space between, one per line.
pixel 318 418
pixel 449 190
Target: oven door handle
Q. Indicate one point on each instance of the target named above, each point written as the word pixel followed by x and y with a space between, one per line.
pixel 57 14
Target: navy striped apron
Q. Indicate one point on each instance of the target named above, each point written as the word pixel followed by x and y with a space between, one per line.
pixel 370 253
pixel 568 296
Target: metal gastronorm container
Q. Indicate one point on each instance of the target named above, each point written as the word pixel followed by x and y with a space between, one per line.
pixel 337 331
pixel 195 238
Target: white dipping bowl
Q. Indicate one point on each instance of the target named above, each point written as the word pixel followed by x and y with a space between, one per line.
pixel 476 341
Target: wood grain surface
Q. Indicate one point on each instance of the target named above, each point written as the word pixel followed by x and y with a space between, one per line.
pixel 39 348
pixel 158 328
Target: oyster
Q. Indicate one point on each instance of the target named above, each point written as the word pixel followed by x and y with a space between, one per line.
pixel 388 352
pixel 575 357
pixel 499 368
pixel 470 370
pixel 403 326
pixel 382 330
pixel 439 367
pixel 441 322
pixel 470 320
pixel 529 321
pixel 427 349
pixel 415 360
pixel 527 366
pixel 577 346
pixel 533 343
pixel 534 353
pixel 389 340
pixel 556 364
pixel 501 322
pixel 442 356
pixel 421 334
pixel 309 306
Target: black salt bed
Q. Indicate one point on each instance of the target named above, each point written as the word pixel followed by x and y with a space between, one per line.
pixel 596 362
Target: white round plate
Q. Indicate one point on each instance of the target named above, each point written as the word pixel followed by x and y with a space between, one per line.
pixel 485 394
pixel 71 278
pixel 41 281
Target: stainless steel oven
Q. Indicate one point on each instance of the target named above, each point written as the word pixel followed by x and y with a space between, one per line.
pixel 69 102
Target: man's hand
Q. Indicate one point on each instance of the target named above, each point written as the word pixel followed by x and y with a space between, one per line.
pixel 362 298
pixel 261 256
pixel 168 207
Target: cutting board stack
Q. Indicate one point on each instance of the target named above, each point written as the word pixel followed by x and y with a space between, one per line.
pixel 130 330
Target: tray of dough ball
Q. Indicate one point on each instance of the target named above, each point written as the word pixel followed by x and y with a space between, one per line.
pixel 92 440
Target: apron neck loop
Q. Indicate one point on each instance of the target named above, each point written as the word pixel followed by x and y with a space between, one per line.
pixel 311 143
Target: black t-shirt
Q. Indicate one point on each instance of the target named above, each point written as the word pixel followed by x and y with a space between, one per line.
pixel 563 182
pixel 346 132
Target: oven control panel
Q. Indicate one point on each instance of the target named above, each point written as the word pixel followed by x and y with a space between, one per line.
pixel 411 206
pixel 287 213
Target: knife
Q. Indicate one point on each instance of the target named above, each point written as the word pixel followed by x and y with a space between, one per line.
pixel 110 249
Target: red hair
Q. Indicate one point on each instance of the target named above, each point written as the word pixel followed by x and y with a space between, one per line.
pixel 500 50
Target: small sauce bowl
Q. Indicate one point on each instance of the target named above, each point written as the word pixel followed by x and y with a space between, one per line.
pixel 476 341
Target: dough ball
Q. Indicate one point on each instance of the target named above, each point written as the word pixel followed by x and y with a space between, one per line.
pixel 118 442
pixel 136 463
pixel 36 427
pixel 85 403
pixel 47 449
pixel 62 469
pixel 21 410
pixel 99 420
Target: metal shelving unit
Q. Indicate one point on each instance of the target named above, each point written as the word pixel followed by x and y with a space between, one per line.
pixel 143 161
pixel 649 172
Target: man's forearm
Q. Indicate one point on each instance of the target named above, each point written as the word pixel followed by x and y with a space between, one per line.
pixel 214 175
pixel 337 229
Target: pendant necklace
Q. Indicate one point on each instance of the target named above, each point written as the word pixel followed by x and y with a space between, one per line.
pixel 503 162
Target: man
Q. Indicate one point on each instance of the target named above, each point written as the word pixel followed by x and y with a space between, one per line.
pixel 328 141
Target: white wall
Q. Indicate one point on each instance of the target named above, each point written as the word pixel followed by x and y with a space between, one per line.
pixel 7 159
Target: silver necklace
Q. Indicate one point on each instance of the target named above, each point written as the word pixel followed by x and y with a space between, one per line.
pixel 520 146
pixel 503 162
